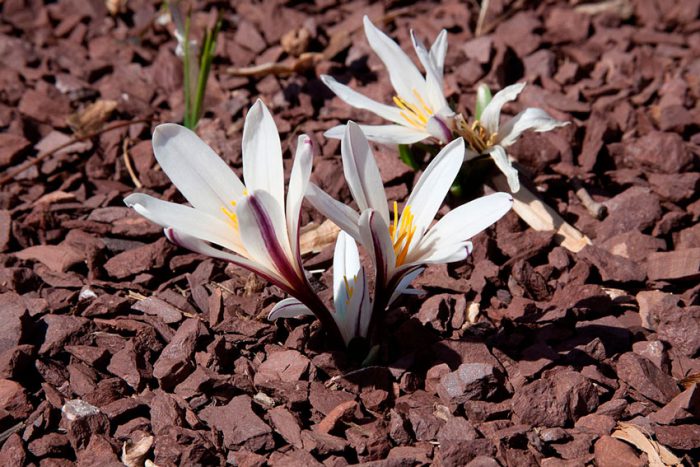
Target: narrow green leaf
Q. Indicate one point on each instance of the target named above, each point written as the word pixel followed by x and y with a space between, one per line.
pixel 483 97
pixel 206 58
pixel 406 156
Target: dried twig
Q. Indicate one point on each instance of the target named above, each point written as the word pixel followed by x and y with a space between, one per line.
pixel 595 208
pixel 306 60
pixel 482 17
pixel 127 163
pixel 541 217
pixel 76 139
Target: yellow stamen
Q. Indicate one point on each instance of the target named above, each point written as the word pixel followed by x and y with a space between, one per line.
pixel 426 107
pixel 348 290
pixel 402 257
pixel 413 114
pixel 231 215
pixel 402 233
pixel 478 137
pixel 411 121
pixel 392 228
pixel 245 192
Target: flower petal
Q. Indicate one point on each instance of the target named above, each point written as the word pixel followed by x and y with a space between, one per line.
pixel 349 288
pixel 383 134
pixel 197 171
pixel 191 221
pixel 264 234
pixel 433 80
pixel 432 187
pixel 464 222
pixel 346 266
pixel 197 245
pixel 403 74
pixel 262 153
pixel 361 306
pixel 438 128
pixel 298 182
pixel 529 119
pixel 500 158
pixel 340 214
pixel 336 132
pixel 449 254
pixel 360 101
pixel 492 113
pixel 361 171
pixel 377 242
pixel 438 51
pixel 289 308
pixel 403 287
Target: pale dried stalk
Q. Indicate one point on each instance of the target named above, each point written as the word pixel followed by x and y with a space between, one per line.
pixel 541 217
pixel 482 17
pixel 127 163
pixel 314 238
pixel 658 455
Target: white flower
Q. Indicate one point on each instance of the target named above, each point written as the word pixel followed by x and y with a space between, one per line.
pixel 486 136
pixel 250 224
pixel 402 244
pixel 350 293
pixel 421 109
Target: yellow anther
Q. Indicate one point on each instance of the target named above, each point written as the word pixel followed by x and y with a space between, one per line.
pixel 245 192
pixel 402 232
pixel 413 114
pixel 231 215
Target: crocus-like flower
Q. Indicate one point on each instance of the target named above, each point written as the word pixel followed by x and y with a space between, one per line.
pixel 350 293
pixel 250 225
pixel 486 136
pixel 403 244
pixel 421 110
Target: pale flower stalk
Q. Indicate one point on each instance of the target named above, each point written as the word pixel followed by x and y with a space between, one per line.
pixel 249 225
pixel 352 305
pixel 403 244
pixel 420 109
pixel 486 136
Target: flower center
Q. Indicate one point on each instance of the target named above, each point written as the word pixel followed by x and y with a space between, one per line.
pixel 348 288
pixel 402 232
pixel 416 115
pixel 229 212
pixel 478 137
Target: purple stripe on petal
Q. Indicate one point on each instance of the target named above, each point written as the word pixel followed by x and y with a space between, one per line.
pixel 378 252
pixel 358 321
pixel 279 258
pixel 437 127
pixel 171 236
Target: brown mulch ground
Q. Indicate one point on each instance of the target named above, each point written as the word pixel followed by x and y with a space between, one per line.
pixel 110 334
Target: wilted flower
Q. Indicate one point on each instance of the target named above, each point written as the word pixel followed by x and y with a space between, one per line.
pixel 250 223
pixel 351 300
pixel 404 243
pixel 421 110
pixel 486 136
